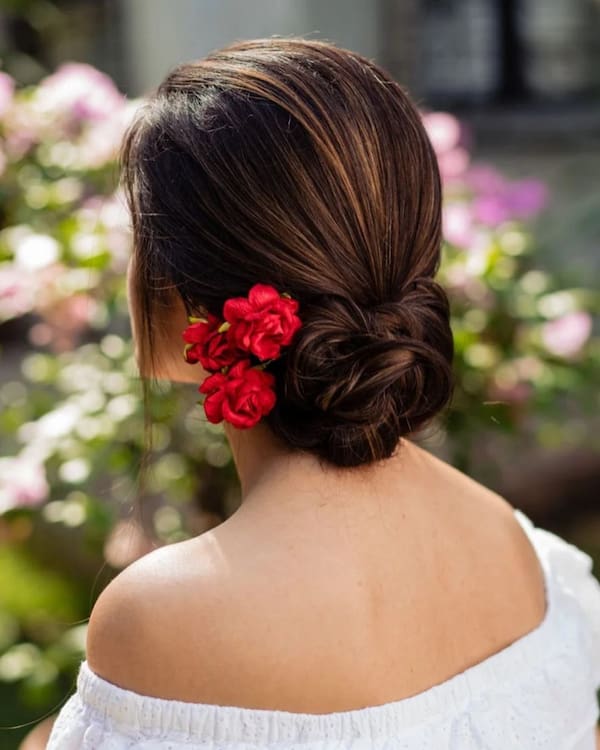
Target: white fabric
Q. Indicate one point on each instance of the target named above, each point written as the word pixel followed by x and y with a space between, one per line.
pixel 538 692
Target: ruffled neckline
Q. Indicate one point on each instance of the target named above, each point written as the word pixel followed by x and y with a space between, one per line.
pixel 133 712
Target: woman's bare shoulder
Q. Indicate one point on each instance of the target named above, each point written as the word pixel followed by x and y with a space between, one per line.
pixel 139 620
pixel 199 619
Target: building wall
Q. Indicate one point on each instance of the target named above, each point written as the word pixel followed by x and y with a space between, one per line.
pixel 446 50
pixel 157 34
pixel 460 48
pixel 563 39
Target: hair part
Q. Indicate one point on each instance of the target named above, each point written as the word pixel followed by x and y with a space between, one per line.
pixel 299 164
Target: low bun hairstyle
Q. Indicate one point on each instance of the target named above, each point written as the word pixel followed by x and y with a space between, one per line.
pixel 302 165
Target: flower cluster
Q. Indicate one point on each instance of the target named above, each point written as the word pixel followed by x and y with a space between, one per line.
pixel 237 348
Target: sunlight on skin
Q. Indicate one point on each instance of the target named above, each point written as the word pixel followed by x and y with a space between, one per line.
pixel 37 739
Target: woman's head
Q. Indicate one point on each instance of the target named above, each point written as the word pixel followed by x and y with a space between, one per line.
pixel 304 166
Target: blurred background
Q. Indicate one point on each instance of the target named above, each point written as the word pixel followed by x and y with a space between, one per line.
pixel 510 95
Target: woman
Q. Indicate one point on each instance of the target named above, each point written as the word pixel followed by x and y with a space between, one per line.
pixel 286 210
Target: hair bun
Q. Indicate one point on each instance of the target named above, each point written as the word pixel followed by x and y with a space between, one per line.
pixel 358 379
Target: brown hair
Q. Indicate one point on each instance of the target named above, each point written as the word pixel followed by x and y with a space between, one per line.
pixel 302 165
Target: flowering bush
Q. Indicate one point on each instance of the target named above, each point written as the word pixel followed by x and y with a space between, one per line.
pixel 71 409
pixel 526 361
pixel 71 421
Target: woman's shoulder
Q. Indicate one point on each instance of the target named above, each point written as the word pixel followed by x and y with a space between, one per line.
pixel 144 611
pixel 198 620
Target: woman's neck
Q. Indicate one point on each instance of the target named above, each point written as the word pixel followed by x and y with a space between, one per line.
pixel 268 472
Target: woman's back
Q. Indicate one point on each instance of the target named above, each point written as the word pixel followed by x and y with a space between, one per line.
pixel 278 606
pixel 263 633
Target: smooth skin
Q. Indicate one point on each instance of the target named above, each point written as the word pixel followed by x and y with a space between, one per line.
pixel 326 590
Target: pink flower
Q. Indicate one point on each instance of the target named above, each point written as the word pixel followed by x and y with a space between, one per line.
pixel 457 224
pixel 527 198
pixel 453 164
pixel 498 200
pixel 7 88
pixel 18 292
pixel 446 135
pixel 23 483
pixel 99 143
pixel 491 210
pixel 517 393
pixel 565 336
pixel 80 91
pixel 483 178
pixel 443 130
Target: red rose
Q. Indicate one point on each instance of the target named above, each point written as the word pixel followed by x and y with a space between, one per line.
pixel 241 397
pixel 205 344
pixel 261 323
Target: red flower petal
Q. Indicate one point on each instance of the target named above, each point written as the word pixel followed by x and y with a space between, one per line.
pixel 262 295
pixel 213 383
pixel 242 396
pixel 236 308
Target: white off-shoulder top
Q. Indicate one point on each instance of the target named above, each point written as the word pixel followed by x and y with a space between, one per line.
pixel 538 692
